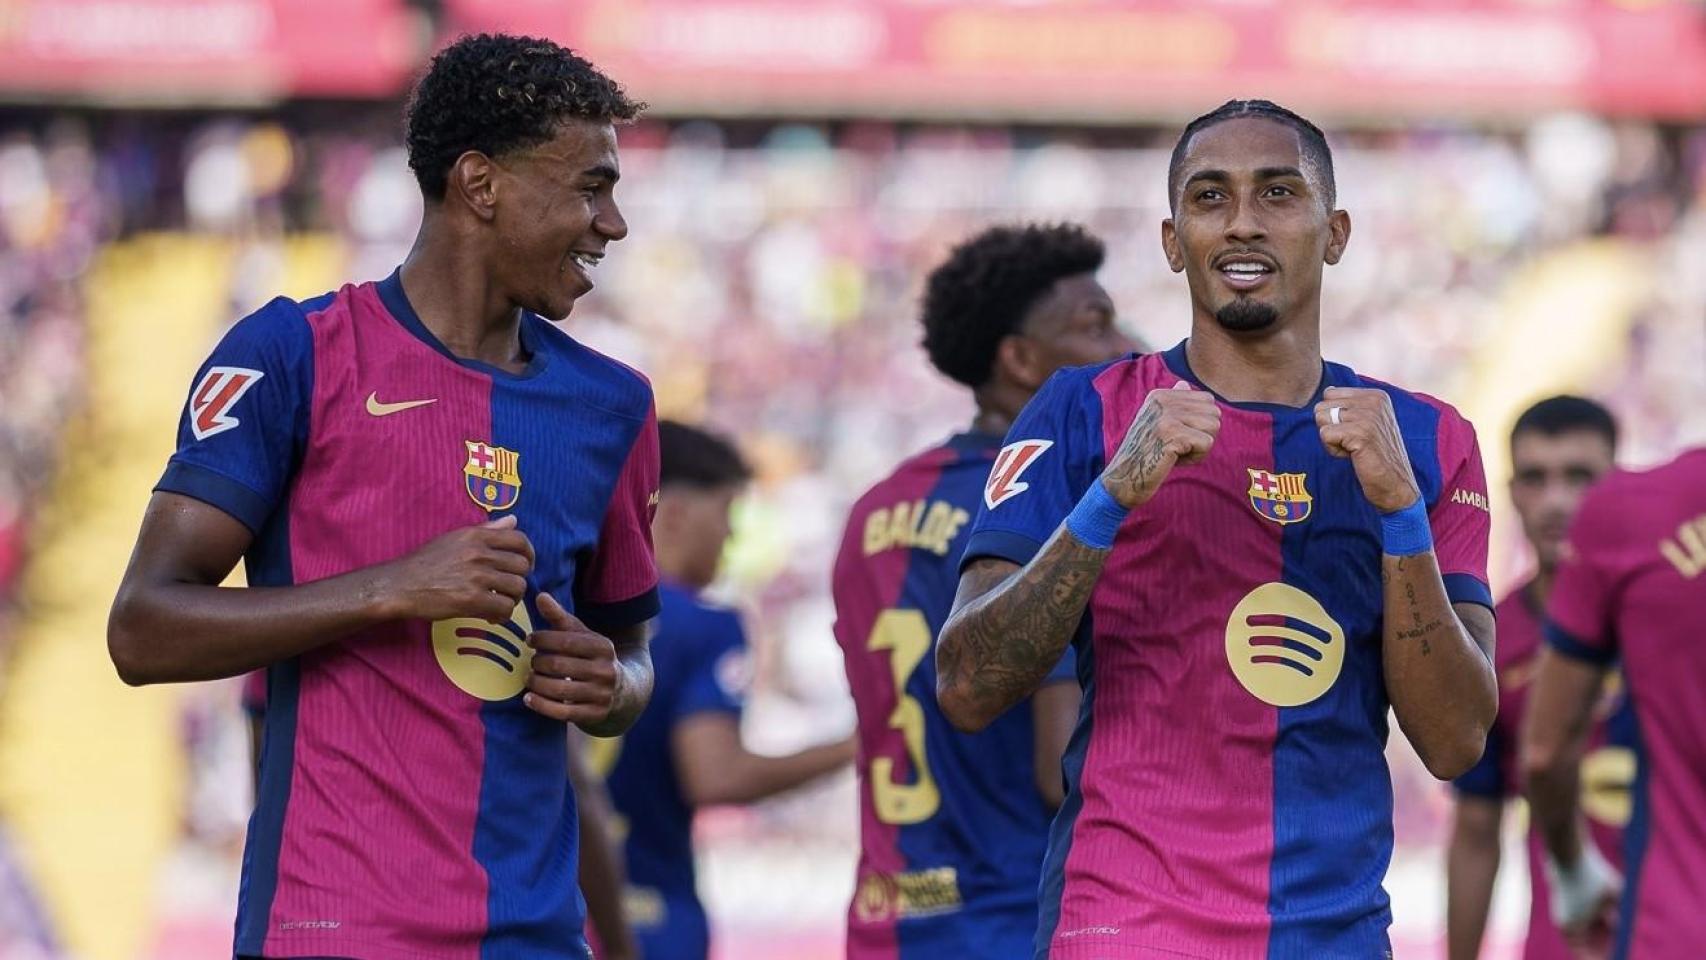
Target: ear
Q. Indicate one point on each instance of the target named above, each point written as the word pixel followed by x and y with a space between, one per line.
pixel 1170 246
pixel 473 178
pixel 1338 234
pixel 1016 357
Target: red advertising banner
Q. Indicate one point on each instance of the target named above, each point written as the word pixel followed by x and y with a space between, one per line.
pixel 201 50
pixel 1108 60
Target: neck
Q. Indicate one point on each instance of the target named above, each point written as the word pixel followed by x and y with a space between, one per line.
pixel 998 405
pixel 446 281
pixel 1282 366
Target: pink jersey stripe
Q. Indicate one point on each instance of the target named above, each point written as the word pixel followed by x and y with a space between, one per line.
pixel 376 859
pixel 1175 836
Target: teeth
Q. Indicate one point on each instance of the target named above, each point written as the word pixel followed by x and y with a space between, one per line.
pixel 1244 268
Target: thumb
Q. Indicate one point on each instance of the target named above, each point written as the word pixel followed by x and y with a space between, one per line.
pixel 505 522
pixel 553 612
pixel 1182 385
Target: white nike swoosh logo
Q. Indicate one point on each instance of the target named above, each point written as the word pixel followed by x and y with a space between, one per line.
pixel 378 409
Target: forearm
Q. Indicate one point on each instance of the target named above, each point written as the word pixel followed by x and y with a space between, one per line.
pixel 633 686
pixel 1440 681
pixel 1472 866
pixel 1007 634
pixel 179 632
pixel 754 777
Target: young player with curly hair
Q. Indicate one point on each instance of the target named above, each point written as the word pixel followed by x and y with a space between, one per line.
pixel 953 827
pixel 443 503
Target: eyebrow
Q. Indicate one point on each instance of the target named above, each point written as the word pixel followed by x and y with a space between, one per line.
pixel 603 171
pixel 1265 173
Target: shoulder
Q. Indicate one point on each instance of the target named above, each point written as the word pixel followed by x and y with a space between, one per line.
pixel 280 322
pixel 1519 633
pixel 601 380
pixel 1420 409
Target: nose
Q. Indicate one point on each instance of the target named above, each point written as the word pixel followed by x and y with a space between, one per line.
pixel 609 221
pixel 1244 223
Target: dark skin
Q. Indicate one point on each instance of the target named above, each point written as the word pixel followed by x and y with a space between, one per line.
pixel 1073 324
pixel 1248 196
pixel 501 240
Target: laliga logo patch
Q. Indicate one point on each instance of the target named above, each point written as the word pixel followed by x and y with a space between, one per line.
pixel 212 399
pixel 1004 483
pixel 491 661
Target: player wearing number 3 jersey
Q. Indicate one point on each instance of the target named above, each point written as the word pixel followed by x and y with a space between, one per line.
pixel 952 826
pixel 1253 554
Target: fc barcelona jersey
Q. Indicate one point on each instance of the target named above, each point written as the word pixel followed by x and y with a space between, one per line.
pixel 1228 794
pixel 952 826
pixel 410 807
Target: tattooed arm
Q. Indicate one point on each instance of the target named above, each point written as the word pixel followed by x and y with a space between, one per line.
pixel 1011 624
pixel 1437 658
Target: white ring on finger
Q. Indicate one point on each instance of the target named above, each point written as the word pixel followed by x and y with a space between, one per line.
pixel 1333 415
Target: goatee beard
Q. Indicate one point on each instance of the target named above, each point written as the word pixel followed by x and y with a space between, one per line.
pixel 1244 315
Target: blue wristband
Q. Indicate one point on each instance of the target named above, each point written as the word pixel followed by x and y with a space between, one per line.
pixel 1097 518
pixel 1405 533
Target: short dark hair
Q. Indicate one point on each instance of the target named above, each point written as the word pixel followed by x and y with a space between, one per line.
pixel 1316 153
pixel 982 292
pixel 495 93
pixel 1566 414
pixel 698 458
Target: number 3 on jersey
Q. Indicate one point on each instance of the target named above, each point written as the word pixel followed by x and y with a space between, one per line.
pixel 906 635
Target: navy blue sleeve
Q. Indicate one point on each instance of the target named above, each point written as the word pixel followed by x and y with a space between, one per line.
pixel 1052 455
pixel 246 419
pixel 720 672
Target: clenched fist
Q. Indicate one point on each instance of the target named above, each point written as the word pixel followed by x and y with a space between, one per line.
pixel 1172 426
pixel 478 571
pixel 574 668
pixel 1359 424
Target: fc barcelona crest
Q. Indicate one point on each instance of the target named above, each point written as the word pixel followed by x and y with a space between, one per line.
pixel 493 475
pixel 1281 497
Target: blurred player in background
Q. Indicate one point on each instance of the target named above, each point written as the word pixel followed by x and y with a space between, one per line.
pixel 1629 592
pixel 443 503
pixel 1241 541
pixel 1559 447
pixel 953 826
pixel 685 751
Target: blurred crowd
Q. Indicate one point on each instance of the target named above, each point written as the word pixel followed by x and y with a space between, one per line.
pixel 769 288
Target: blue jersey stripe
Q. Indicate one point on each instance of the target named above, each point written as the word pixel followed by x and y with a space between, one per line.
pixel 1638 831
pixel 1332 833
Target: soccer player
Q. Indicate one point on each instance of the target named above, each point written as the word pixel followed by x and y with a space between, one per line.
pixel 1630 589
pixel 953 826
pixel 685 751
pixel 1255 553
pixel 443 504
pixel 1559 447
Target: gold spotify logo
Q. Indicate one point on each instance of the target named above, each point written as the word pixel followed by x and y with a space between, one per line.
pixel 1607 777
pixel 1283 646
pixel 488 660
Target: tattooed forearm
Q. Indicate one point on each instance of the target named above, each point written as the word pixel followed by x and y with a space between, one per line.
pixel 1440 683
pixel 1010 627
pixel 1139 453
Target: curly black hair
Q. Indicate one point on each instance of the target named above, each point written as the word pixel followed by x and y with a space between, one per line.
pixel 982 292
pixel 496 93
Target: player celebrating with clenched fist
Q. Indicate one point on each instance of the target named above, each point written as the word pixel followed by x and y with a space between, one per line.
pixel 1253 554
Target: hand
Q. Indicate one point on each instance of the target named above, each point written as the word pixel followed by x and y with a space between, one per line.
pixel 1172 426
pixel 1367 433
pixel 478 571
pixel 574 668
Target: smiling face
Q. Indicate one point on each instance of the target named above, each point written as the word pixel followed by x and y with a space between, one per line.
pixel 554 211
pixel 1252 228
